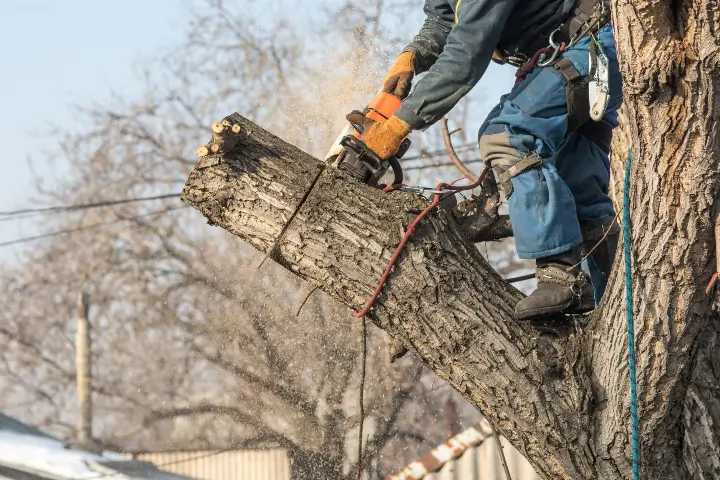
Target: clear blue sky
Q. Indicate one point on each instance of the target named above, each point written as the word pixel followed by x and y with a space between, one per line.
pixel 59 53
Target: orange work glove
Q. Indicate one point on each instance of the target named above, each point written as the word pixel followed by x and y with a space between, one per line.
pixel 399 80
pixel 384 138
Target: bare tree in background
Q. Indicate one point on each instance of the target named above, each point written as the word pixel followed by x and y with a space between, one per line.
pixel 562 398
pixel 193 346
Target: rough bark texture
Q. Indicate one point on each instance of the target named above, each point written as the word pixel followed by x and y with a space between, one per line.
pixel 443 301
pixel 670 54
pixel 562 399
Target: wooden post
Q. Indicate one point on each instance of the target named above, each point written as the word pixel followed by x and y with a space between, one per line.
pixel 83 367
pixel 451 417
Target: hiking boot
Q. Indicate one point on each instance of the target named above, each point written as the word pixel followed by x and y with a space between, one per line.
pixel 562 288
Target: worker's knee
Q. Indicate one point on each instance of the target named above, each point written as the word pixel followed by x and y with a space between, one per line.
pixel 497 151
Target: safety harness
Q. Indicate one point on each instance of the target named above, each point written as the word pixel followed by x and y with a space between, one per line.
pixel 584 115
pixel 577 92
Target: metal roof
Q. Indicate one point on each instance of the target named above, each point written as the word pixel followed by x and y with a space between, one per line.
pixel 29 454
pixel 136 470
pixel 7 423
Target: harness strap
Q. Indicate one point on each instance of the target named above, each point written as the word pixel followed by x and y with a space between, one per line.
pixel 577 90
pixel 589 15
pixel 600 133
pixel 561 276
pixel 528 163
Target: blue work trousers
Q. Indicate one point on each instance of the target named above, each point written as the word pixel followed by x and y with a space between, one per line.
pixel 571 185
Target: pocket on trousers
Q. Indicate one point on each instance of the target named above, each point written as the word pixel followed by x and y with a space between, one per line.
pixel 543 96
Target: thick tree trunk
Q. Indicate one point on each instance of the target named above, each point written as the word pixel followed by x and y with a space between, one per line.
pixel 443 301
pixel 669 55
pixel 562 399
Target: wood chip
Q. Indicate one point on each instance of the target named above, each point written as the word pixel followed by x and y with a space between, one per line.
pixel 202 151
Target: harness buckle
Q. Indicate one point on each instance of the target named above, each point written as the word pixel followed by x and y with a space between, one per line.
pixel 556 50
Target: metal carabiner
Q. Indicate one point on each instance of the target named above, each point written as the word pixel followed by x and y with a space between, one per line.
pixel 556 50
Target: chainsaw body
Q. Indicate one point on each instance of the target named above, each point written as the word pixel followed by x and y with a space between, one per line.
pixel 349 152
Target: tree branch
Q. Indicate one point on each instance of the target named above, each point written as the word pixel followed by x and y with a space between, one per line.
pixel 341 240
pixel 236 414
pixel 451 152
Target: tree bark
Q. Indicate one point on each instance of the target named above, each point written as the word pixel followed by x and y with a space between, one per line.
pixel 669 57
pixel 561 398
pixel 443 301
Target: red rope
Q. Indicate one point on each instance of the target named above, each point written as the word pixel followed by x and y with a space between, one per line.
pixel 408 234
pixel 528 67
pixel 710 286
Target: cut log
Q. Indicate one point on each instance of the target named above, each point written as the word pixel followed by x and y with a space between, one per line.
pixel 562 401
pixel 202 151
pixel 442 301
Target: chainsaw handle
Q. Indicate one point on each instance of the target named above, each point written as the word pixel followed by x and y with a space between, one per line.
pixel 359 148
pixel 397 170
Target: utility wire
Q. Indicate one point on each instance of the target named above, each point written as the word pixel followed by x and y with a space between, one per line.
pixel 33 212
pixel 440 165
pixel 21 216
pixel 438 153
pixel 84 206
pixel 30 212
pixel 86 227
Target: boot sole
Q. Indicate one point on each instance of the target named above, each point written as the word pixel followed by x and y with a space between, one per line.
pixel 539 313
pixel 583 306
pixel 580 310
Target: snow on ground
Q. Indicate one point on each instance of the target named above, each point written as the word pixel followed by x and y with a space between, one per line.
pixel 47 455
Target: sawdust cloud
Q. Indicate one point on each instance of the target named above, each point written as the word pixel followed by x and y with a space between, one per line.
pixel 314 115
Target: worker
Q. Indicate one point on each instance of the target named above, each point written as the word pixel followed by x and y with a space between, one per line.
pixel 549 157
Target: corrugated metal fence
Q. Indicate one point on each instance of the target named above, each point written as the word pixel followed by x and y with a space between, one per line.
pixel 477 463
pixel 483 463
pixel 232 465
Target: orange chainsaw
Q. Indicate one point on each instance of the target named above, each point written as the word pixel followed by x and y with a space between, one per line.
pixel 349 152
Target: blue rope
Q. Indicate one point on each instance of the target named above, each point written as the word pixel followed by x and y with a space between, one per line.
pixel 627 242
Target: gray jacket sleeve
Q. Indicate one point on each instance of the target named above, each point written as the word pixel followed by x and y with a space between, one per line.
pixel 460 57
pixel 429 43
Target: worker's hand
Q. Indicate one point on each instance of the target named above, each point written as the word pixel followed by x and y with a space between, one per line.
pixel 399 80
pixel 384 138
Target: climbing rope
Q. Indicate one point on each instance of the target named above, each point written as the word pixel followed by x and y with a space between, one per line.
pixel 627 243
pixel 439 189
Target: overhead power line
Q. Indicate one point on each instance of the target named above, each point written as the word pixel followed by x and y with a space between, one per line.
pixel 84 206
pixel 86 227
pixel 440 165
pixel 439 153
pixel 30 212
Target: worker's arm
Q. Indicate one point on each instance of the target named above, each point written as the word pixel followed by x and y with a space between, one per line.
pixel 428 44
pixel 424 50
pixel 465 55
